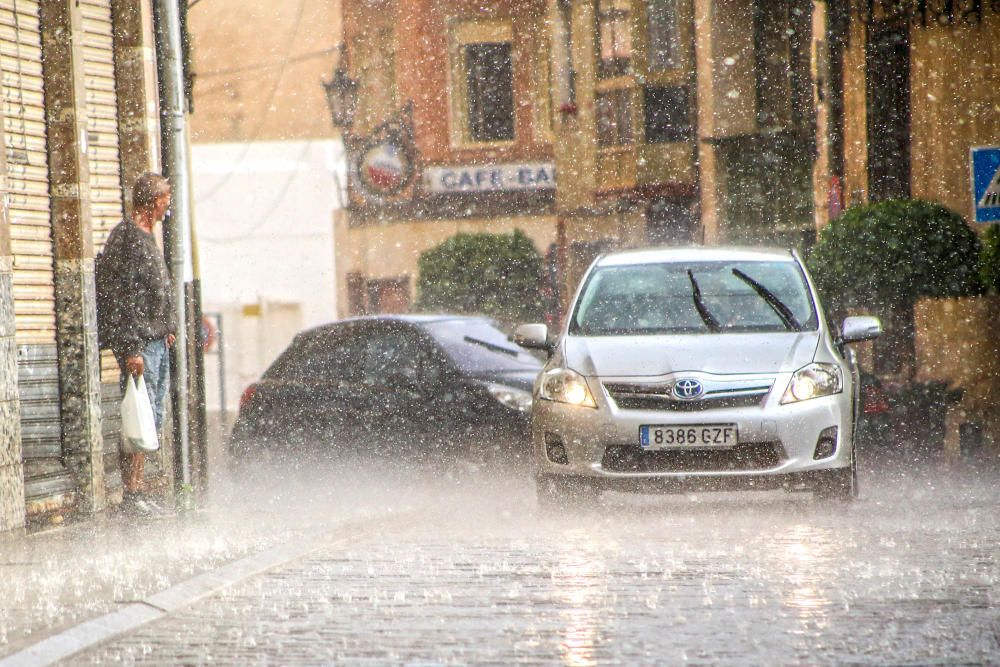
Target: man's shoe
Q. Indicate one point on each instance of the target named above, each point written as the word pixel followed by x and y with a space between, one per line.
pixel 135 507
pixel 157 507
pixel 143 508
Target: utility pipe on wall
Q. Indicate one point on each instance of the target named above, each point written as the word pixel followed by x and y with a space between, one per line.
pixel 170 68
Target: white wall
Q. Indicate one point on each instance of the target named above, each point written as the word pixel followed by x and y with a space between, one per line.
pixel 264 222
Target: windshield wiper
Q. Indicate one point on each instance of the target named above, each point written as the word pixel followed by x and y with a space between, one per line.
pixel 491 346
pixel 699 304
pixel 776 304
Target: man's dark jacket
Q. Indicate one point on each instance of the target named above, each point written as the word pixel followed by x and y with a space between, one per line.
pixel 134 294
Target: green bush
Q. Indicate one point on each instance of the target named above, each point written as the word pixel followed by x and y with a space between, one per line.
pixel 491 274
pixel 888 255
pixel 990 264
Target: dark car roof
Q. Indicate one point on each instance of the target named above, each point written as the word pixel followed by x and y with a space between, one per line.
pixel 488 356
pixel 417 319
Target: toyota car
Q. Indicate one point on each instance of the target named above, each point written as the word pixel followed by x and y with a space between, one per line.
pixel 696 368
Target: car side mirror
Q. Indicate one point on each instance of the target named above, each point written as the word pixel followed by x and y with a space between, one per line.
pixel 860 328
pixel 533 337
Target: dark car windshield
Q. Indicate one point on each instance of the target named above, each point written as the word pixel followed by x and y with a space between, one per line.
pixel 477 346
pixel 695 297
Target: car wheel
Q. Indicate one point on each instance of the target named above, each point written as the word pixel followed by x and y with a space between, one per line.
pixel 840 484
pixel 559 492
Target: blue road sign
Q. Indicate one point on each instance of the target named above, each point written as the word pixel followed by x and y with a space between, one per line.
pixel 986 183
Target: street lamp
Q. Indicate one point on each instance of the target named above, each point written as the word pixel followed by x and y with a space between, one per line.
pixel 342 93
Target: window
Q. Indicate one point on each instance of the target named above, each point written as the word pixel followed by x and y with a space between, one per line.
pixel 323 356
pixel 489 79
pixel 670 222
pixel 357 304
pixel 668 114
pixel 392 355
pixel 564 69
pixel 614 117
pixel 781 46
pixel 388 295
pixel 614 29
pixel 543 91
pixel 664 38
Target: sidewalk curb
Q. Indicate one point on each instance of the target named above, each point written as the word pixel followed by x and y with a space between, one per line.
pixel 135 614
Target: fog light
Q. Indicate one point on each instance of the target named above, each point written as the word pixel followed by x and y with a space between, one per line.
pixel 826 445
pixel 554 449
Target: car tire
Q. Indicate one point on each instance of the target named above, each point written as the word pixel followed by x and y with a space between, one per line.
pixel 840 484
pixel 557 492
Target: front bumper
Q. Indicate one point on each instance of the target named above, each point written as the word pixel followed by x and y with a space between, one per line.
pixel 776 446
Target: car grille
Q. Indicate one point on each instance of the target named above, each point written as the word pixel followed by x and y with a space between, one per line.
pixel 745 457
pixel 660 397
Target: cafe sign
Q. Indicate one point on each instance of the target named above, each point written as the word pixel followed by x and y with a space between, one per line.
pixel 384 168
pixel 490 178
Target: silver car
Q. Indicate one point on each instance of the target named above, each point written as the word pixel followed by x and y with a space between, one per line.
pixel 696 368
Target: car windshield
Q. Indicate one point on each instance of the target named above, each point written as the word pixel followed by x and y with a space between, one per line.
pixel 477 346
pixel 695 297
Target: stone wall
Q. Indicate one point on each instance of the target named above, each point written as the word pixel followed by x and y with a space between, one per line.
pixel 11 468
pixel 11 460
pixel 72 236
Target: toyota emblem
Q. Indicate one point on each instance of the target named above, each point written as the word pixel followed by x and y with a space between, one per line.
pixel 688 389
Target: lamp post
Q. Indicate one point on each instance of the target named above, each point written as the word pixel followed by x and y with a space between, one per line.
pixel 342 94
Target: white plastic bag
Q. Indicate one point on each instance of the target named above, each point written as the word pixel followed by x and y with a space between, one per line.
pixel 138 423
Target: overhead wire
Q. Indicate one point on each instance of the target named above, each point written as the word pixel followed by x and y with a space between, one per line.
pixel 269 65
pixel 267 105
pixel 266 215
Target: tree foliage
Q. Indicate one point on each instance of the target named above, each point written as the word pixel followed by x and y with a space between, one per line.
pixel 990 265
pixel 889 254
pixel 491 274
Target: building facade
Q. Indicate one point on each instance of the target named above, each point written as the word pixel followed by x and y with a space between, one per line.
pixel 589 124
pixel 268 171
pixel 910 93
pixel 452 133
pixel 80 123
pixel 689 121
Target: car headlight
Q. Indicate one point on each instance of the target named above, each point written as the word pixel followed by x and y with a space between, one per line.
pixel 813 381
pixel 565 386
pixel 515 399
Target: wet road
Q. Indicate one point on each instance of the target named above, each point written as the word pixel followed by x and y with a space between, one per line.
pixel 463 569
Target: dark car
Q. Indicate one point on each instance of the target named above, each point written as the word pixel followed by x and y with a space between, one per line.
pixel 875 421
pixel 393 385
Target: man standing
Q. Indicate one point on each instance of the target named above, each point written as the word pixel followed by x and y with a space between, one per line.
pixel 136 318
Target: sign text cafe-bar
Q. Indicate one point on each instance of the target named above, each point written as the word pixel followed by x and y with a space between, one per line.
pixel 492 178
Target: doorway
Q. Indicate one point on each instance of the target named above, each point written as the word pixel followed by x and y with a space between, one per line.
pixel 389 295
pixel 887 64
pixel 670 222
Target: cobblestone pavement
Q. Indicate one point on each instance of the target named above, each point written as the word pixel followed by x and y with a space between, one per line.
pixel 59 578
pixel 907 575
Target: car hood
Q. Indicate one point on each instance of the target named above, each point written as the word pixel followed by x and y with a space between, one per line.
pixel 721 354
pixel 524 380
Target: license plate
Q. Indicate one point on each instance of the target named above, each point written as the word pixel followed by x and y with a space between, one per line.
pixel 692 435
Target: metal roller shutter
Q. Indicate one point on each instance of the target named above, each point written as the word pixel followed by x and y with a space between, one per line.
pixel 48 485
pixel 27 171
pixel 102 118
pixel 105 185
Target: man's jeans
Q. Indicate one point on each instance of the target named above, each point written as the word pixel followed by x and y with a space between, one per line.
pixel 156 374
